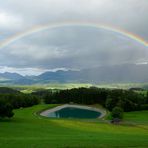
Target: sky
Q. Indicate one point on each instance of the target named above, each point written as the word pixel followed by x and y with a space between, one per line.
pixel 71 47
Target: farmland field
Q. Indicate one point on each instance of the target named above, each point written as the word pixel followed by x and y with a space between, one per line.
pixel 31 88
pixel 27 129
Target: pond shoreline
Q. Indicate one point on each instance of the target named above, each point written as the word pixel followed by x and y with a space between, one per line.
pixel 46 112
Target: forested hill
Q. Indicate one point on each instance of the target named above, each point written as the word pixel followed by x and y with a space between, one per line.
pixel 6 90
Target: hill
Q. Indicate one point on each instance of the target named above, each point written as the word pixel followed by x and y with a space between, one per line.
pixel 6 90
pixel 27 129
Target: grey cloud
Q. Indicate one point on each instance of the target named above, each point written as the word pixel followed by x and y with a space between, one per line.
pixel 127 14
pixel 71 46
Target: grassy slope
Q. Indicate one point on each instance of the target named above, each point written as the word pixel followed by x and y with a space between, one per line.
pixel 26 130
pixel 137 117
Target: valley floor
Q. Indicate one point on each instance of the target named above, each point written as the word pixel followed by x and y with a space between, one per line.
pixel 28 130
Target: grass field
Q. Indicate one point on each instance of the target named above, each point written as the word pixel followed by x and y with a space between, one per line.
pixel 28 130
pixel 137 117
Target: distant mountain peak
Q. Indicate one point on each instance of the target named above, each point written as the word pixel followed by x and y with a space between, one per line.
pixel 103 74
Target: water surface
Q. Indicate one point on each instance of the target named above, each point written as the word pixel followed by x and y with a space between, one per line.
pixel 73 112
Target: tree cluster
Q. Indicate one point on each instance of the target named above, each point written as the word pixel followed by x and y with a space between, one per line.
pixel 8 102
pixel 77 95
pixel 127 100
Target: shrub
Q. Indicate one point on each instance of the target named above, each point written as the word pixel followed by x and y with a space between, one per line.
pixel 117 112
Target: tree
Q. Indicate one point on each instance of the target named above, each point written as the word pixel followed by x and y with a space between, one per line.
pixel 109 103
pixel 117 113
pixel 5 109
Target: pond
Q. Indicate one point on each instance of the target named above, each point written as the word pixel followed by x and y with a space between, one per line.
pixel 72 111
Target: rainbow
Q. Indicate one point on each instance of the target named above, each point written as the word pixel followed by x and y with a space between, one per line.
pixel 39 28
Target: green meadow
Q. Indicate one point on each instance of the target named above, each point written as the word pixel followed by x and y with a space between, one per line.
pixel 29 130
pixel 137 117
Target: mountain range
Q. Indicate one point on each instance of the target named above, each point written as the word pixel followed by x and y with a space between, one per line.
pixel 104 74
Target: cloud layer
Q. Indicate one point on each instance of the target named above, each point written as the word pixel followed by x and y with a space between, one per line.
pixel 72 47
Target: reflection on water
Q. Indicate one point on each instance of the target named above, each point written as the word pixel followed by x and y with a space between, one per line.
pixel 72 112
